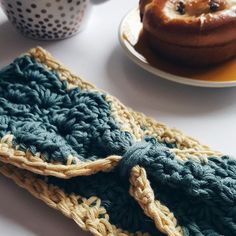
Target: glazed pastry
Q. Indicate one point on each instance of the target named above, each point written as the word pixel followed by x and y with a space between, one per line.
pixel 194 32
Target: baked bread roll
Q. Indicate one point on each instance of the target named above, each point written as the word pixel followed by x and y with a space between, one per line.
pixel 193 32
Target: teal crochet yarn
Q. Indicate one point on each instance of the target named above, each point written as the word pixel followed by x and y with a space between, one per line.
pixel 44 116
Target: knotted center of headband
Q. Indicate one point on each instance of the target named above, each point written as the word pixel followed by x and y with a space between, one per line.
pixel 142 153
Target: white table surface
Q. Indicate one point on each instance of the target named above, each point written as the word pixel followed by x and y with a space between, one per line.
pixel 95 54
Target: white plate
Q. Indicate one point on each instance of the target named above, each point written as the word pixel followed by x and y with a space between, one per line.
pixel 223 75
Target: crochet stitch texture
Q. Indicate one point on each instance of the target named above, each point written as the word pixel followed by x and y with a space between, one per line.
pixel 112 170
pixel 43 116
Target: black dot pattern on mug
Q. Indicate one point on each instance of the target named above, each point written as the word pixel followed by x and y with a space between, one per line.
pixel 47 19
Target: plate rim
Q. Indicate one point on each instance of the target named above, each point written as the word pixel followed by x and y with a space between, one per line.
pixel 158 72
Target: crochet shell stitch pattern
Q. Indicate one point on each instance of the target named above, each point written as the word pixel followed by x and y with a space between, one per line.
pixel 112 170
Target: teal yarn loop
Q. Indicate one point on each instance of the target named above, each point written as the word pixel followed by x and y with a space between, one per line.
pixel 137 155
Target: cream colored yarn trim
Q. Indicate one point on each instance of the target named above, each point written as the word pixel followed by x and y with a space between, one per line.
pixel 36 164
pixel 142 192
pixel 86 214
pixel 187 147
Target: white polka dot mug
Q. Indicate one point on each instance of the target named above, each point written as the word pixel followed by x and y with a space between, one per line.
pixel 47 19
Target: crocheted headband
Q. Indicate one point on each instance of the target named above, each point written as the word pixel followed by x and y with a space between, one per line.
pixel 112 170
